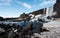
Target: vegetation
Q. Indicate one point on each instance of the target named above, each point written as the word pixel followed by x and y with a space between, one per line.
pixel 23 15
pixel 1 18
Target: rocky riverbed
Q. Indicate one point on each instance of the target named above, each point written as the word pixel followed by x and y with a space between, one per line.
pixel 53 27
pixel 53 33
pixel 54 30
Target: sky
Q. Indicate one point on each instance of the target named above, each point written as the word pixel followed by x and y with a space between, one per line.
pixel 13 8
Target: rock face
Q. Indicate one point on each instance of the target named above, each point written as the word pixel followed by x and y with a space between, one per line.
pixel 57 9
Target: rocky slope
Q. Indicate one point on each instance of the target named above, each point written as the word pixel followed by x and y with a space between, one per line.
pixel 37 12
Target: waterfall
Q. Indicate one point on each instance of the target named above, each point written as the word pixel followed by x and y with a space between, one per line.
pixel 49 11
